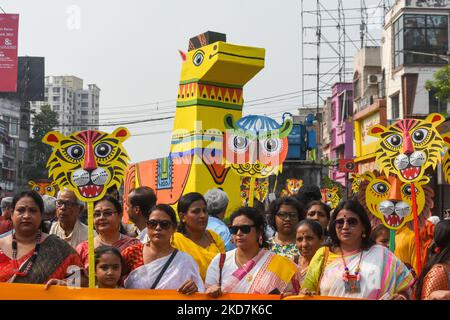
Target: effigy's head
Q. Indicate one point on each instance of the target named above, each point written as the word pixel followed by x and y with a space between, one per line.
pixel 390 200
pixel 212 60
pixel 88 162
pixel 255 146
pixel 408 147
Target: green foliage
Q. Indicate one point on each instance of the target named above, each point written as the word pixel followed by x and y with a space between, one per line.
pixel 45 121
pixel 440 83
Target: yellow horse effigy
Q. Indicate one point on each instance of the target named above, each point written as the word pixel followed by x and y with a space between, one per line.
pixel 209 104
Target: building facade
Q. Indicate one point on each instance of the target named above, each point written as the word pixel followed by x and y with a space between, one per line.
pixel 78 108
pixel 414 46
pixel 369 104
pixel 341 142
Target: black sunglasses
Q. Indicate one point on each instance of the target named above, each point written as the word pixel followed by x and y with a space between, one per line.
pixel 244 229
pixel 164 224
pixel 352 222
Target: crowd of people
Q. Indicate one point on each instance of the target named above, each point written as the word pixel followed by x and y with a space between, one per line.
pixel 298 246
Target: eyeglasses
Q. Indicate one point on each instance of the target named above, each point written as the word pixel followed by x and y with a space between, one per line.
pixel 284 215
pixel 68 204
pixel 106 214
pixel 352 222
pixel 244 229
pixel 164 224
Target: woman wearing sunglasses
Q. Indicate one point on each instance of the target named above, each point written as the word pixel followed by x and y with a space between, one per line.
pixel 250 268
pixel 285 213
pixel 157 264
pixel 192 236
pixel 353 266
pixel 107 217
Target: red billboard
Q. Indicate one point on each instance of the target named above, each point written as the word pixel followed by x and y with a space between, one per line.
pixel 9 27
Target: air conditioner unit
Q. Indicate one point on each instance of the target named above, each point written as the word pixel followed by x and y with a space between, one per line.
pixel 373 79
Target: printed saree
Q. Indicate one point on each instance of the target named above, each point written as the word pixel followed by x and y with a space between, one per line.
pixel 381 273
pixel 53 259
pixel 266 273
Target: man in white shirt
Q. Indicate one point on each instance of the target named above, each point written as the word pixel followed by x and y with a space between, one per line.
pixel 68 226
pixel 139 203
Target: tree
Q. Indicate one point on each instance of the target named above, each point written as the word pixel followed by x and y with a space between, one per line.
pixel 440 84
pixel 45 121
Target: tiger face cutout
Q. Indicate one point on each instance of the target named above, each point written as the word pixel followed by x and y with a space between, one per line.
pixel 356 182
pixel 292 187
pixel 43 187
pixel 446 161
pixel 330 196
pixel 408 147
pixel 261 189
pixel 88 162
pixel 389 199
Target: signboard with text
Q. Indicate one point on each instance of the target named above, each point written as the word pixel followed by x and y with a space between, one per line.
pixel 9 26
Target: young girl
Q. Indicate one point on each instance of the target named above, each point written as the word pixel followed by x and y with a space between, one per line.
pixel 381 235
pixel 108 267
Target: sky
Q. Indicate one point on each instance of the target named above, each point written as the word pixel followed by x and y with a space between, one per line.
pixel 130 50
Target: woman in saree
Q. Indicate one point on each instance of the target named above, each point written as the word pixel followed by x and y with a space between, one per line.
pixel 436 273
pixel 30 256
pixel 192 236
pixel 107 216
pixel 353 266
pixel 250 268
pixel 309 239
pixel 147 262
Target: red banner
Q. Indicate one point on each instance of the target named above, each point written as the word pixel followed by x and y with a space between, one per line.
pixel 9 27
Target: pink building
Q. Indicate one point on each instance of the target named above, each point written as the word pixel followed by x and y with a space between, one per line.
pixel 341 146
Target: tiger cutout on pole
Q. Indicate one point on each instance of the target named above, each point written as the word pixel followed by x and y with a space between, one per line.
pixel 88 163
pixel 406 149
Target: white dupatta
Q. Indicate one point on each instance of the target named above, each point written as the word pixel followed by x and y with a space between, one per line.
pixel 181 269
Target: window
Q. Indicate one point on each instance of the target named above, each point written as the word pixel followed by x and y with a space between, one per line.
pixel 84 105
pixel 436 105
pixel 84 113
pixel 395 106
pixel 333 110
pixel 55 98
pixel 56 107
pixel 56 90
pixel 85 96
pixel 425 35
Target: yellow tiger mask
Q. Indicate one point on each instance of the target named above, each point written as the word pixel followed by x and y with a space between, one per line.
pixel 88 162
pixel 408 147
pixel 389 199
pixel 43 187
pixel 261 189
pixel 446 161
pixel 292 187
pixel 356 182
pixel 330 196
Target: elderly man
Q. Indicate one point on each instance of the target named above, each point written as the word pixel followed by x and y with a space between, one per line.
pixel 139 203
pixel 216 205
pixel 5 219
pixel 68 226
